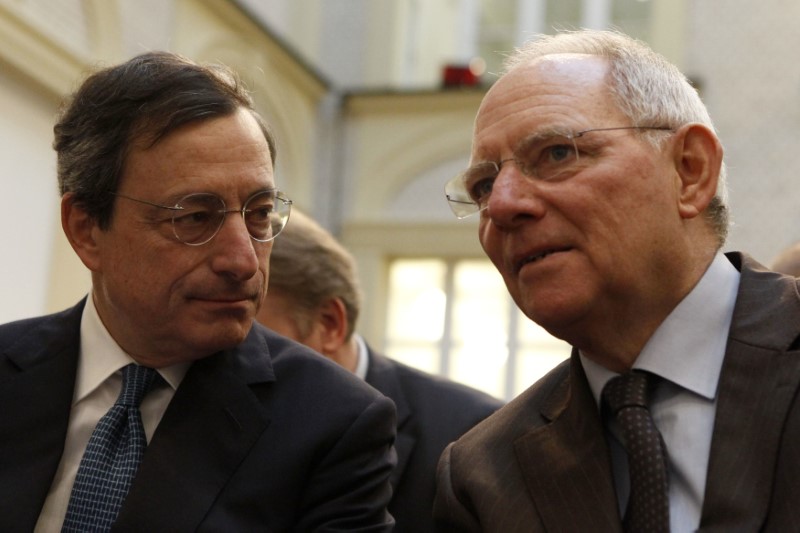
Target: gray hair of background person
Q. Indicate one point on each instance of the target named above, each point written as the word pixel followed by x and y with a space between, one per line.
pixel 140 101
pixel 647 88
pixel 310 266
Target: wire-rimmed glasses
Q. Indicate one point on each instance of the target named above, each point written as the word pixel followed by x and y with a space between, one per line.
pixel 546 157
pixel 198 217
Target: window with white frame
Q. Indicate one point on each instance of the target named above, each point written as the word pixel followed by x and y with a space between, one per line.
pixel 454 317
pixel 506 24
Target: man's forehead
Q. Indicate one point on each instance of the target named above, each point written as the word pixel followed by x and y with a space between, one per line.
pixel 550 93
pixel 549 74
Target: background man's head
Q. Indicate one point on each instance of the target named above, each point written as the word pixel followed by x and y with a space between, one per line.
pixel 313 296
pixel 788 261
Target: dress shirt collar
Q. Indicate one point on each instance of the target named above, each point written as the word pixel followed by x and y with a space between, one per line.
pixel 101 356
pixel 689 346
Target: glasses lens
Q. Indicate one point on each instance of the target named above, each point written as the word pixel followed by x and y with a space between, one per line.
pixel 469 192
pixel 199 218
pixel 549 158
pixel 266 214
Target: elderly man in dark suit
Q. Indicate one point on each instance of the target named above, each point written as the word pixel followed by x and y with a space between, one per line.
pixel 599 184
pixel 314 297
pixel 211 423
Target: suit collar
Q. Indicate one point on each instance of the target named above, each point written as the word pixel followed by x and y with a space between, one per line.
pixel 758 384
pixel 584 475
pixel 37 387
pixel 382 374
pixel 213 420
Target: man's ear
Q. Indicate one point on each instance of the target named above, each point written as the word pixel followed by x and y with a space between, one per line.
pixel 698 160
pixel 81 231
pixel 332 319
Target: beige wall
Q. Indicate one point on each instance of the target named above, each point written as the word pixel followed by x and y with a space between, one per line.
pixel 38 70
pixel 370 165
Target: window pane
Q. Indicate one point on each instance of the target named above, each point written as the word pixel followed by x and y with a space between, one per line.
pixel 480 326
pixel 538 353
pixel 498 27
pixel 416 299
pixel 483 369
pixel 563 14
pixel 415 318
pixel 478 343
pixel 632 17
pixel 423 357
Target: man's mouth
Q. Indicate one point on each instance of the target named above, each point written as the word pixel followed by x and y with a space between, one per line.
pixel 538 257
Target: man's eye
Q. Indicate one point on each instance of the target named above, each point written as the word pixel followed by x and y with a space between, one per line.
pixel 558 153
pixel 481 190
pixel 556 161
pixel 259 213
pixel 196 217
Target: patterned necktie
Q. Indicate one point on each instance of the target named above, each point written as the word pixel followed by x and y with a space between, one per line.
pixel 648 504
pixel 111 458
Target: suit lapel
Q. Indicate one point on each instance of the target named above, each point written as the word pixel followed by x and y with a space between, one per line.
pixel 36 395
pixel 208 429
pixel 381 374
pixel 758 383
pixel 560 481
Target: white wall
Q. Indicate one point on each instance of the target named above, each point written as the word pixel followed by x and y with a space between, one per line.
pixel 746 60
pixel 28 211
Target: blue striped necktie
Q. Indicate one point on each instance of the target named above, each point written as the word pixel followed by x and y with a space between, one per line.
pixel 111 458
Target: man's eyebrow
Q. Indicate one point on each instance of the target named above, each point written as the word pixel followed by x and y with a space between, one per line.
pixel 539 136
pixel 525 142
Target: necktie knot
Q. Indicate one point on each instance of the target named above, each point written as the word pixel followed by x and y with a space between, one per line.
pixel 136 381
pixel 627 390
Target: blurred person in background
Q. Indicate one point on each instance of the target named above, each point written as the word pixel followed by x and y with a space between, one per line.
pixel 788 261
pixel 598 181
pixel 314 297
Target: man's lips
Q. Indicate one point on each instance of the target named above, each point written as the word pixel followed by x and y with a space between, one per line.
pixel 531 257
pixel 224 298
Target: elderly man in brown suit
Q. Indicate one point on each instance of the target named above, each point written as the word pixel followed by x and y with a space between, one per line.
pixel 599 183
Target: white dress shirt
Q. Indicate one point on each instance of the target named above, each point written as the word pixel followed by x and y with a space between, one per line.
pixel 687 351
pixel 97 385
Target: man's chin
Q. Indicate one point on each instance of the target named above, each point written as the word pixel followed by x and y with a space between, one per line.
pixel 214 339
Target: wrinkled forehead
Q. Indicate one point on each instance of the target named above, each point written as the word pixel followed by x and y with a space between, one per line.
pixel 563 91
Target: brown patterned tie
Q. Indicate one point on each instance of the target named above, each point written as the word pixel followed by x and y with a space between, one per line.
pixel 648 504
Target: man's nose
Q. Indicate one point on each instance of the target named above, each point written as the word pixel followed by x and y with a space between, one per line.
pixel 234 252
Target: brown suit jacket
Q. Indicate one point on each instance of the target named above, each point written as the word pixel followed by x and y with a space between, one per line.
pixel 542 463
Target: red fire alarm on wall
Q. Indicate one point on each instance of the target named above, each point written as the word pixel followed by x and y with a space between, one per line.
pixel 463 75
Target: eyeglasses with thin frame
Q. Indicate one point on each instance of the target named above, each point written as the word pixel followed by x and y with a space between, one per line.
pixel 546 157
pixel 197 218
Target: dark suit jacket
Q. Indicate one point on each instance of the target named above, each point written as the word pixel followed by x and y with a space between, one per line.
pixel 265 437
pixel 542 463
pixel 431 413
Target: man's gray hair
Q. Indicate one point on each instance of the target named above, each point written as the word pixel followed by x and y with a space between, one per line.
pixel 648 89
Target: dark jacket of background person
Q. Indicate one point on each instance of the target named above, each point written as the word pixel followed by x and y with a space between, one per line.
pixel 431 413
pixel 314 297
